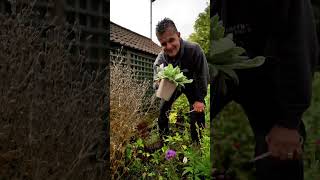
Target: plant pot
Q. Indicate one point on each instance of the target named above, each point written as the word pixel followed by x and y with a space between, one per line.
pixel 153 147
pixel 166 89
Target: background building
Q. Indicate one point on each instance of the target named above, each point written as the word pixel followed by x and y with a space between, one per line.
pixel 134 49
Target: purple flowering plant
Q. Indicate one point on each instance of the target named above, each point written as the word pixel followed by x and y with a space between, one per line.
pixel 170 154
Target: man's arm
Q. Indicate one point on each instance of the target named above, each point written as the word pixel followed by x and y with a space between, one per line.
pixel 292 41
pixel 201 76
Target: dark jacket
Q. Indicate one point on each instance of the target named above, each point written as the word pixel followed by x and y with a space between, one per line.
pixel 192 61
pixel 284 32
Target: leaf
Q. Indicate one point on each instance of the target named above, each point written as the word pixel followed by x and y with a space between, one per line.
pixel 213 70
pixel 230 56
pixel 231 74
pixel 187 169
pixel 174 75
pixel 179 77
pixel 217 30
pixel 251 63
pixel 221 45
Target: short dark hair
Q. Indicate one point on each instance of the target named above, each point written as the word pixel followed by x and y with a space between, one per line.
pixel 164 25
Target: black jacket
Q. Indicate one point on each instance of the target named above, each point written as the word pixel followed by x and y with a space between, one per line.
pixel 284 32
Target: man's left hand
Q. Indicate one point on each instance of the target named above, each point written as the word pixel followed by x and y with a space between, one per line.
pixel 198 106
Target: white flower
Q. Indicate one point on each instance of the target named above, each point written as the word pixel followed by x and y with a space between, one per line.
pixel 185 160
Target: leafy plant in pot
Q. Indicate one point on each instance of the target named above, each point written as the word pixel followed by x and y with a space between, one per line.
pixel 170 78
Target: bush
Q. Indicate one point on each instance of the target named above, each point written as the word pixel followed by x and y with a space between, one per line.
pixel 128 97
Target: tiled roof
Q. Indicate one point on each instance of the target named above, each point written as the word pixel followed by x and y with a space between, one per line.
pixel 126 37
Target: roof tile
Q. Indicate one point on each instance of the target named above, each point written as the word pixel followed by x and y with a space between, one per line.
pixel 123 36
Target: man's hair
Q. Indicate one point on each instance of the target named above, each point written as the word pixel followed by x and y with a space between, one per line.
pixel 164 25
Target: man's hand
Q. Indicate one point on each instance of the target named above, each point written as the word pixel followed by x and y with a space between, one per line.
pixel 284 143
pixel 198 106
pixel 156 84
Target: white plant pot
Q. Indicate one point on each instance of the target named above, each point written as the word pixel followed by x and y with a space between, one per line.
pixel 166 89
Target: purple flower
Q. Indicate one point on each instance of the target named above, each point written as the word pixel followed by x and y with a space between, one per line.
pixel 170 154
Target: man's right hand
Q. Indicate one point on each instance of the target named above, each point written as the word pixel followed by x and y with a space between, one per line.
pixel 284 143
pixel 198 106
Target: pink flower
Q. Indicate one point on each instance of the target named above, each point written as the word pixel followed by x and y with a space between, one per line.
pixel 318 142
pixel 170 154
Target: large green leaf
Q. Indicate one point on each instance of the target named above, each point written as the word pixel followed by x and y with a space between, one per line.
pixel 221 45
pixel 250 63
pixel 225 55
pixel 228 57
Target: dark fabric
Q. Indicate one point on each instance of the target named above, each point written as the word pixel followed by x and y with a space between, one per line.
pixel 282 31
pixel 261 122
pixel 195 117
pixel 279 91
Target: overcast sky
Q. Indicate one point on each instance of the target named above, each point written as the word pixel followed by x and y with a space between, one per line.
pixel 135 14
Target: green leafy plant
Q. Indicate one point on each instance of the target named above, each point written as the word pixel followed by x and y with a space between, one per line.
pixel 225 56
pixel 174 75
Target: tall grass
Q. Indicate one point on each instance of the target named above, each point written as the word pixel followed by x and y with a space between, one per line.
pixel 51 107
pixel 128 99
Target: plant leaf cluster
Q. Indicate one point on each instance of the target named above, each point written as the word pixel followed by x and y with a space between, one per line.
pixel 174 75
pixel 225 56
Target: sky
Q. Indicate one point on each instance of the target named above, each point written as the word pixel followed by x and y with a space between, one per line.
pixel 135 14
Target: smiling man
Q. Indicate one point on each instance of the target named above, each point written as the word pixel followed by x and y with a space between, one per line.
pixel 190 58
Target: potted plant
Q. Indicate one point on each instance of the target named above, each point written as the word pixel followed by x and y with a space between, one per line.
pixel 170 78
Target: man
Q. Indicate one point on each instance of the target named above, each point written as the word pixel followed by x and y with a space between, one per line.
pixel 275 95
pixel 190 58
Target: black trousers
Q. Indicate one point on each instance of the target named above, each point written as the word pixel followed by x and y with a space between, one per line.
pixel 257 95
pixel 195 117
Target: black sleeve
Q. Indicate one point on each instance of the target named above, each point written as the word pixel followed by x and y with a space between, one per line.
pixel 201 76
pixel 292 40
pixel 215 7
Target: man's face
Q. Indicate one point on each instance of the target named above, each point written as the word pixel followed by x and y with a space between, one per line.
pixel 170 42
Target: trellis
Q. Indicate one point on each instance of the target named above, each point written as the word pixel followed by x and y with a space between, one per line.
pixel 142 63
pixel 91 16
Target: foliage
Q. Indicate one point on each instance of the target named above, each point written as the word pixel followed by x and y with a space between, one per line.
pixel 316 13
pixel 201 32
pixel 312 145
pixel 127 99
pixel 191 161
pixel 174 75
pixel 175 160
